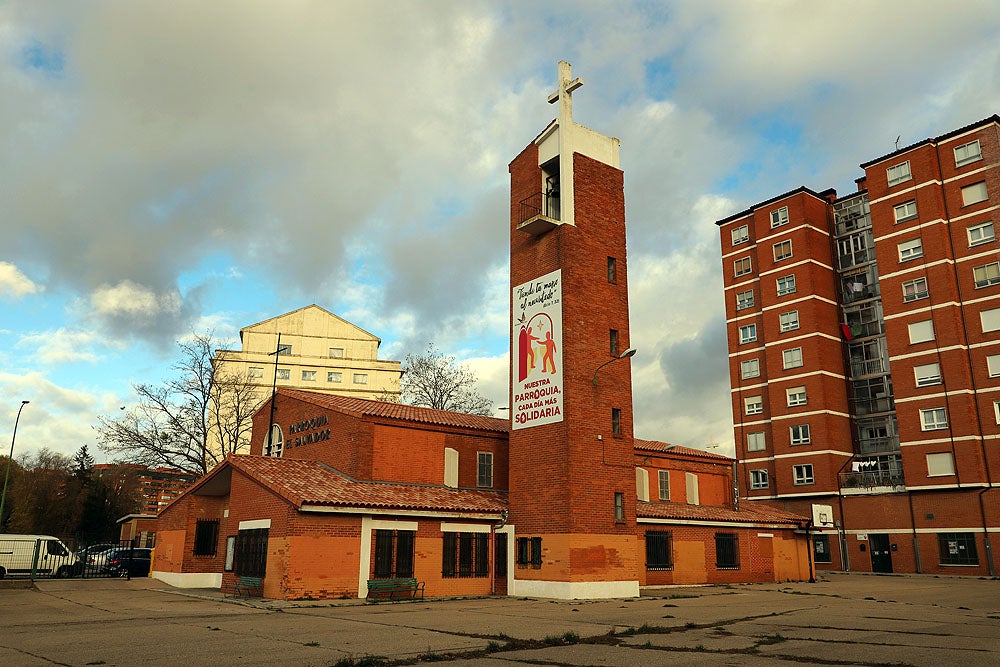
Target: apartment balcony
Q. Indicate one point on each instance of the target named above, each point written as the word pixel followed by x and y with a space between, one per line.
pixel 856 258
pixel 879 445
pixel 870 482
pixel 869 367
pixel 539 213
pixel 871 406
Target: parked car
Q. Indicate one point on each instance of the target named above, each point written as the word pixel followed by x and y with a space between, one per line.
pixel 18 556
pixel 128 562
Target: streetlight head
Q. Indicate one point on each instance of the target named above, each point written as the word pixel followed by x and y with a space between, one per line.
pixel 25 402
pixel 627 353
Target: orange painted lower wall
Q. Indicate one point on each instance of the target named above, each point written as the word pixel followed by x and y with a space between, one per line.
pixel 170 552
pixel 585 558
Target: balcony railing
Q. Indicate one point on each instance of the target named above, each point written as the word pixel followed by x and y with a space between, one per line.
pixel 872 405
pixel 882 445
pixel 871 367
pixel 538 213
pixel 873 479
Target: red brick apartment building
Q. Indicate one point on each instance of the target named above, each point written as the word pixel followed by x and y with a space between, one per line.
pixel 864 348
pixel 559 501
pixel 156 487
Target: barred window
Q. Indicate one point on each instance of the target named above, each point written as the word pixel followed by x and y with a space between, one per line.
pixel 465 555
pixel 529 551
pixel 958 548
pixel 821 549
pixel 251 553
pixel 393 554
pixel 659 550
pixel 727 551
pixel 206 538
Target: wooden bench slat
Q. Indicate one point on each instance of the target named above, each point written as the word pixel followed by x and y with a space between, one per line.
pixel 394 586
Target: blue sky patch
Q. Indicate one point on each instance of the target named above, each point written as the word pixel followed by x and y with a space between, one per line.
pixel 48 60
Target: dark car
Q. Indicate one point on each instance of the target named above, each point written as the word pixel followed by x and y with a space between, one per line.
pixel 128 562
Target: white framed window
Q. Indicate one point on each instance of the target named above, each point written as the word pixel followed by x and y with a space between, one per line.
pixel 758 479
pixel 744 300
pixel 779 216
pixel 786 285
pixel 975 193
pixel 334 376
pixel 284 374
pixel 336 353
pixel 361 378
pixel 255 372
pixel 940 464
pixel 791 358
pixel 996 410
pixel 803 474
pixel 967 153
pixel 933 419
pixel 915 289
pixel 905 211
pixel 749 369
pixel 910 249
pixel 664 479
pixel 742 266
pixel 993 365
pixel 795 396
pixel 799 434
pixel 756 442
pixel 927 374
pixel 308 376
pixel 981 233
pixel 782 250
pixel 285 348
pixel 898 173
pixel 741 234
pixel 753 405
pixel 921 332
pixel 987 274
pixel 789 321
pixel 748 333
pixel 990 319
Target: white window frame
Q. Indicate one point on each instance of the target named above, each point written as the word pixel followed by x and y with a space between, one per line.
pixel 791 358
pixel 750 368
pixel 975 193
pixel 986 275
pixel 920 332
pixel 283 374
pixel 802 474
pixel 741 234
pixel 799 434
pixel 756 441
pixel 758 479
pixel 788 321
pixel 663 481
pixel 785 284
pixel 993 365
pixel 914 290
pixel 361 378
pixel 782 250
pixel 748 333
pixel 308 376
pixel 744 299
pixel 898 173
pixel 334 376
pixel 981 233
pixel 911 249
pixel 796 396
pixel 742 267
pixel 779 216
pixel 967 153
pixel 990 319
pixel 996 410
pixel 925 375
pixel 940 464
pixel 934 419
pixel 753 405
pixel 255 372
pixel 336 353
pixel 905 211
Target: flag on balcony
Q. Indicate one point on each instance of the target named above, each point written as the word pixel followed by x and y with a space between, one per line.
pixel 845 330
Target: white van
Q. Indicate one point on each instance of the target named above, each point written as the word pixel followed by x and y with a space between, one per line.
pixel 17 554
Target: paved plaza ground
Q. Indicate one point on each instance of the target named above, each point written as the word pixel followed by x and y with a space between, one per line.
pixel 843 619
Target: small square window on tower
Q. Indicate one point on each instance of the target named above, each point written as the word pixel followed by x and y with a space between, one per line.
pixel 612 270
pixel 613 339
pixel 616 421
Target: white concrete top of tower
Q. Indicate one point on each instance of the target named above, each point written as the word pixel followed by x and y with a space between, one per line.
pixel 564 136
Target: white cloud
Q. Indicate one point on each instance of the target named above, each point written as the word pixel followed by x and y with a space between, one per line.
pixel 61 346
pixel 132 300
pixel 14 284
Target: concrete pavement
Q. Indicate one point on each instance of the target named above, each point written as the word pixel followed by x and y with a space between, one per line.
pixel 844 619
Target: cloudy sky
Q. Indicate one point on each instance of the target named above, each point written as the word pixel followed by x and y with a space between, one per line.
pixel 169 167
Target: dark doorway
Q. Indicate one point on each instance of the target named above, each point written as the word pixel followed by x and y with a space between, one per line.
pixel 881 553
pixel 500 564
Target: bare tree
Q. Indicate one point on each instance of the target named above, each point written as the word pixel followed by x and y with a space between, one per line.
pixel 174 422
pixel 434 380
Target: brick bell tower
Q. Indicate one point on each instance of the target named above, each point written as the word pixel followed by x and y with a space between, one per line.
pixel 572 473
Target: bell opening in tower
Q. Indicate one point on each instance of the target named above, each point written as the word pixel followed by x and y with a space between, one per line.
pixel 550 189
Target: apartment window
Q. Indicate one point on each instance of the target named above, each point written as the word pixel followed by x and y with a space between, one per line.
pixel 741 267
pixel 465 555
pixel 779 216
pixel 786 285
pixel 940 464
pixel 284 374
pixel 744 300
pixel 975 193
pixel 982 233
pixel 990 319
pixel 958 548
pixel 484 476
pixel 612 270
pixel 758 479
pixel 255 372
pixel 250 554
pixel 619 506
pixel 791 358
pixel 308 376
pixel 996 410
pixel 905 211
pixel 727 551
pixel 789 321
pixel 782 250
pixel 800 434
pixel 753 405
pixel 361 378
pixel 741 234
pixel 921 332
pixel 334 376
pixel 284 349
pixel 987 274
pixel 616 421
pixel 613 342
pixel 748 333
pixel 756 442
pixel 910 249
pixel 336 353
pixel 803 474
pixel 659 552
pixel 393 553
pixel 927 374
pixel 664 479
pixel 206 537
pixel 993 365
pixel 967 153
pixel 796 396
pixel 933 419
pixel 821 549
pixel 749 369
pixel 914 289
pixel 899 173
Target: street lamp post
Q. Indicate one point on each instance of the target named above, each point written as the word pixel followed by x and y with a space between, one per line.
pixel 624 355
pixel 3 498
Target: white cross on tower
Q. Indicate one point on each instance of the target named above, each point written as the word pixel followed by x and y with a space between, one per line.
pixel 564 93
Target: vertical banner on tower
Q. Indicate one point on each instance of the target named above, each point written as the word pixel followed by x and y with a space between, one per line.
pixel 537 387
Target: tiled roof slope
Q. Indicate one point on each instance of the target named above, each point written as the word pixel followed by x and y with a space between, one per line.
pixel 314 483
pixel 656 446
pixel 748 513
pixel 363 407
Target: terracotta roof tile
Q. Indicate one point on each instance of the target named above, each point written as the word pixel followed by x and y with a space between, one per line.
pixel 748 513
pixel 314 483
pixel 656 446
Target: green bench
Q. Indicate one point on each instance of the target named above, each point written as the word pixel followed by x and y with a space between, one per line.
pixel 394 589
pixel 244 587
